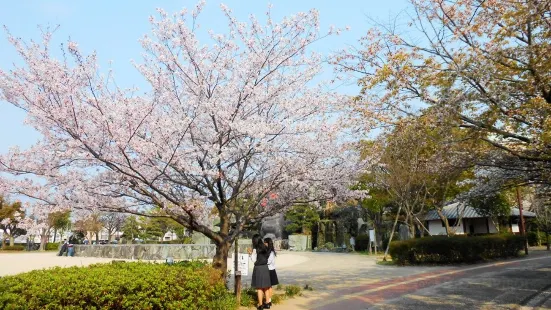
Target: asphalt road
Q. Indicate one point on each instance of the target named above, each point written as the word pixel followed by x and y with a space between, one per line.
pixel 513 284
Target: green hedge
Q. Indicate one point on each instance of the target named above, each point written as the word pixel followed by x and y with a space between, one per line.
pixel 15 247
pixel 52 246
pixel 455 249
pixel 118 286
pixel 536 238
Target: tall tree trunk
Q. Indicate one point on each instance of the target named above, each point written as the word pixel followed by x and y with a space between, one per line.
pixel 379 232
pixel 548 245
pixel 12 241
pixel 43 241
pixel 445 220
pixel 4 240
pixel 55 234
pixel 392 232
pixel 220 259
pixel 411 227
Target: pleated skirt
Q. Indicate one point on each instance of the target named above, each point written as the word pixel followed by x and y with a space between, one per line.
pixel 273 278
pixel 261 277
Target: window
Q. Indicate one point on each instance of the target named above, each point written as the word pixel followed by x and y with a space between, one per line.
pixel 451 222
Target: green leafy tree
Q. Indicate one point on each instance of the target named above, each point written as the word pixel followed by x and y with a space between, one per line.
pixel 374 207
pixel 59 221
pixel 132 228
pixel 487 62
pixel 302 218
pixel 542 208
pixel 494 207
pixel 11 213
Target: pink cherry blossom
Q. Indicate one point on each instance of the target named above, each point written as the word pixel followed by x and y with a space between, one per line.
pixel 223 124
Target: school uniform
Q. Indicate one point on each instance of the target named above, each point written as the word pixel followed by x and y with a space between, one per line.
pixel 261 273
pixel 271 268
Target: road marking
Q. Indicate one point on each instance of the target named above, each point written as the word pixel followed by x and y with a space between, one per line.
pixel 428 277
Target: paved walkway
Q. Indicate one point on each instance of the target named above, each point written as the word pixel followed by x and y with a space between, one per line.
pixel 512 284
pixel 14 263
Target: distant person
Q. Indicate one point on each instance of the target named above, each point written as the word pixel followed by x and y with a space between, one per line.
pixel 63 247
pixel 86 241
pixel 353 243
pixel 273 275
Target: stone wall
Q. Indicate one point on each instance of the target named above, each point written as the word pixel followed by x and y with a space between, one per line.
pixel 300 242
pixel 151 251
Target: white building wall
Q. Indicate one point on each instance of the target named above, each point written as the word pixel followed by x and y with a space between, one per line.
pixel 436 228
pixel 479 225
pixel 169 236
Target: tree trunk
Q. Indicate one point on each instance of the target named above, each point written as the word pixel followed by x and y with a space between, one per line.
pixel 496 224
pixel 43 241
pixel 55 234
pixel 548 245
pixel 12 241
pixel 445 220
pixel 411 227
pixel 392 232
pixel 97 237
pixel 223 244
pixel 220 259
pixel 4 240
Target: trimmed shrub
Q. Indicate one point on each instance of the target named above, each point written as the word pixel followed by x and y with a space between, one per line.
pixel 130 285
pixel 52 246
pixel 362 242
pixel 15 247
pixel 455 249
pixel 536 238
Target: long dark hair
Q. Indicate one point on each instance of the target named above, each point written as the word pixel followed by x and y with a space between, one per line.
pixel 255 239
pixel 259 245
pixel 270 243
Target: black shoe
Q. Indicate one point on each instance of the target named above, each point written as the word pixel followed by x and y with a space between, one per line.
pixel 261 307
pixel 268 305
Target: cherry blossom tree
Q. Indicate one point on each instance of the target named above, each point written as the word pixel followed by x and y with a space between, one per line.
pixel 236 128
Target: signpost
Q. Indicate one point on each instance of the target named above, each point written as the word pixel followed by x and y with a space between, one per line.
pixel 243 264
pixel 240 268
pixel 372 242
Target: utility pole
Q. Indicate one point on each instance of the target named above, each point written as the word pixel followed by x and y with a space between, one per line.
pixel 521 222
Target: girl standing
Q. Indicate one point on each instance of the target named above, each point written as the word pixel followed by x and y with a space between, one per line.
pixel 261 274
pixel 271 267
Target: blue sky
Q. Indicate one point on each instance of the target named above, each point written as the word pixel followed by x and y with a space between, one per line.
pixel 112 29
